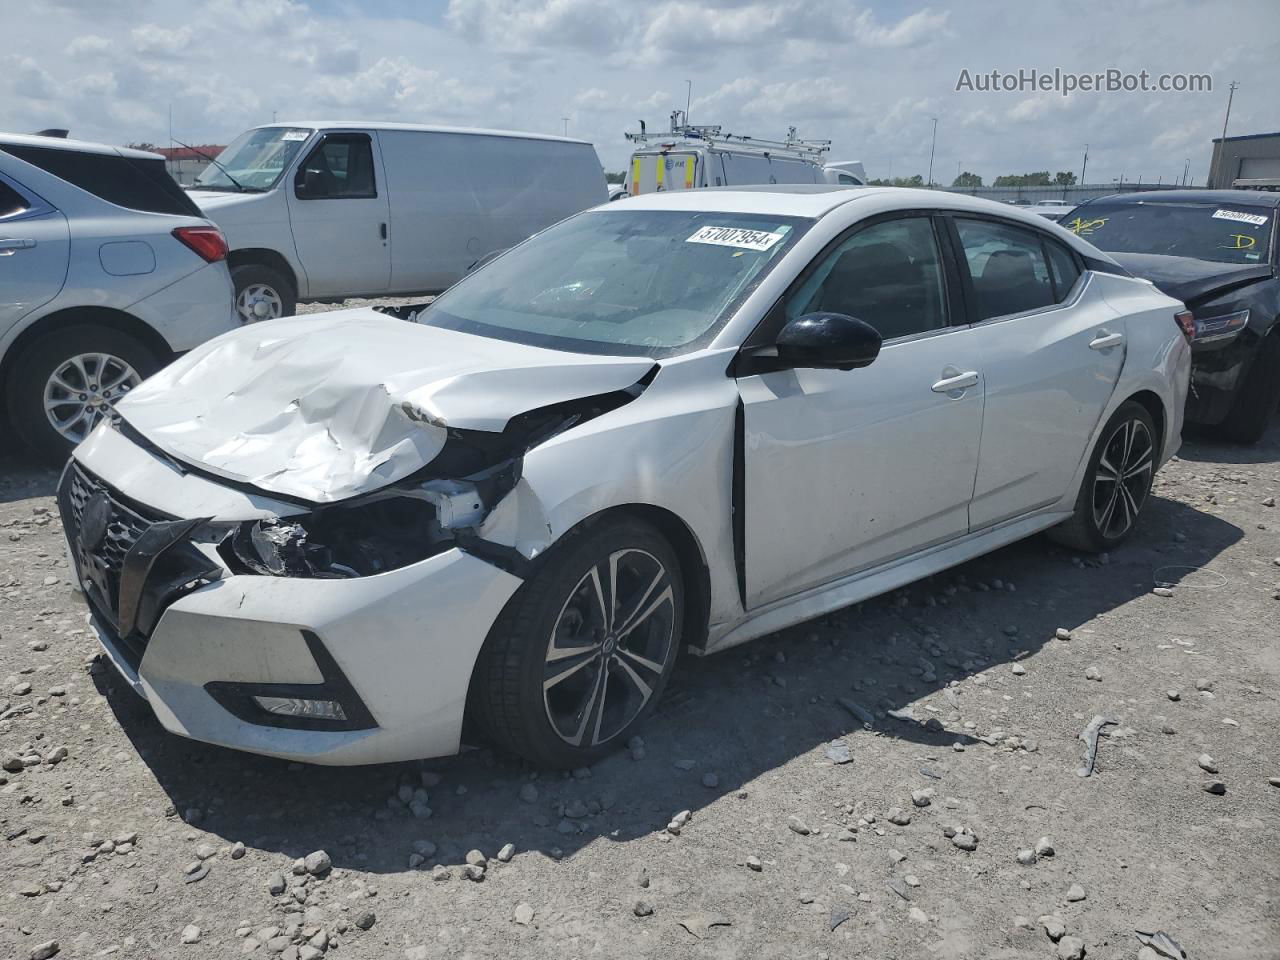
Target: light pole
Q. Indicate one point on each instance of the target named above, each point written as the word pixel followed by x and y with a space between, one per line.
pixel 1085 165
pixel 688 100
pixel 933 142
pixel 566 125
pixel 1222 147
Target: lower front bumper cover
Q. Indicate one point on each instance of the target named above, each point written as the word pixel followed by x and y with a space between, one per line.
pixel 405 642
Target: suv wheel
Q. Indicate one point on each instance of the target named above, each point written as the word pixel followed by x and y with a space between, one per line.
pixel 64 384
pixel 262 293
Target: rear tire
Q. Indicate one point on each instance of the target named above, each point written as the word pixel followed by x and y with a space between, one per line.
pixel 262 293
pixel 81 371
pixel 1116 483
pixel 1258 397
pixel 565 709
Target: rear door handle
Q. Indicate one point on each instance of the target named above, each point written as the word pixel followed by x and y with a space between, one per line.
pixel 382 230
pixel 1104 340
pixel 961 381
pixel 8 246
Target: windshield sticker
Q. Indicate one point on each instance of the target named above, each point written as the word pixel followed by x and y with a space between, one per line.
pixel 1256 219
pixel 1082 228
pixel 736 237
pixel 295 135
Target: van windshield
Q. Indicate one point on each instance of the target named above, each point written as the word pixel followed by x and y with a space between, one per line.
pixel 646 283
pixel 255 160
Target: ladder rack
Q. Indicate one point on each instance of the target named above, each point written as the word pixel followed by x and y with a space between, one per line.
pixel 711 134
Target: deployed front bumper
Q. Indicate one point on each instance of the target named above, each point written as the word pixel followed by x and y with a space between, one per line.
pixel 397 649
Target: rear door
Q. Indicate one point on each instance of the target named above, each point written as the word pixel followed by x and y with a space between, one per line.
pixel 663 172
pixel 1051 353
pixel 338 211
pixel 34 249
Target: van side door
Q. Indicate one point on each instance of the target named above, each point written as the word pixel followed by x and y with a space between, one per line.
pixel 338 211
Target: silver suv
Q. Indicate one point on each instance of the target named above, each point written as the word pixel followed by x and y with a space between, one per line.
pixel 107 270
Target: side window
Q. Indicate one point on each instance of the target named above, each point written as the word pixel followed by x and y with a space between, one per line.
pixel 339 168
pixel 132 182
pixel 12 202
pixel 1008 267
pixel 888 274
pixel 1064 269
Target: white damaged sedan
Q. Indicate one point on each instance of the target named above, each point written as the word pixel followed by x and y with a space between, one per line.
pixel 675 422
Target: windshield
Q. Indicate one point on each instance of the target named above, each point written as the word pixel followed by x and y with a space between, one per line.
pixel 647 283
pixel 254 160
pixel 1203 231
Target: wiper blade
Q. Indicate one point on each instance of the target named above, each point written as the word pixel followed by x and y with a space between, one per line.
pixel 225 172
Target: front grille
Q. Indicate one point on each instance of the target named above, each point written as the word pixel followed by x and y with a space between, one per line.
pixel 99 558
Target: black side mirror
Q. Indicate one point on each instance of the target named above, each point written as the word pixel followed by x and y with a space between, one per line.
pixel 828 340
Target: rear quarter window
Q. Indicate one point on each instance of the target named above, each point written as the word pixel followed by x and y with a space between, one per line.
pixel 12 202
pixel 136 184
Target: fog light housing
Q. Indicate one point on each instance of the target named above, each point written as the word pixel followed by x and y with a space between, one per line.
pixel 303 708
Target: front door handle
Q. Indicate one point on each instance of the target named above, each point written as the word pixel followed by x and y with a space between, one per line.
pixel 1106 340
pixel 961 381
pixel 7 247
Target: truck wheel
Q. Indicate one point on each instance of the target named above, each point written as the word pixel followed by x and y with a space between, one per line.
pixel 580 654
pixel 1116 483
pixel 66 382
pixel 1258 396
pixel 262 293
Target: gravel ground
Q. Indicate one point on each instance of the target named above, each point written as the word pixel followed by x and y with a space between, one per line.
pixel 760 817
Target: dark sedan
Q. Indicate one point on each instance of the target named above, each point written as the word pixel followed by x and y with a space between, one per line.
pixel 1215 250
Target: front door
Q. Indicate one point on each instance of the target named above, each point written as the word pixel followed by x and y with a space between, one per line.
pixel 1051 351
pixel 338 214
pixel 845 470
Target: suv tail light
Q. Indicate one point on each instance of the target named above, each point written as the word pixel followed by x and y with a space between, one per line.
pixel 1187 322
pixel 208 242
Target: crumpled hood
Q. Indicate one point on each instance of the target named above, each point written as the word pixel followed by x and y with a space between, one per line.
pixel 326 407
pixel 1188 279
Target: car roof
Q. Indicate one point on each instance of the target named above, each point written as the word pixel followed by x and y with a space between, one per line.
pixel 816 200
pixel 73 146
pixel 1254 198
pixel 416 128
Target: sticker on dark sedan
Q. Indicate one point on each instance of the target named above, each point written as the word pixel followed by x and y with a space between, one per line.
pixel 1240 217
pixel 736 237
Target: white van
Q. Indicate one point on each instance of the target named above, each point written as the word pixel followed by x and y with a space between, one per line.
pixel 323 210
pixel 692 156
pixel 850 173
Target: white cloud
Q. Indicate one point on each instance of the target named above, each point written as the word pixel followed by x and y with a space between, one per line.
pixel 88 46
pixel 909 31
pixel 157 41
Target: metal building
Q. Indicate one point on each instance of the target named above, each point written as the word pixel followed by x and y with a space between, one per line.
pixel 1255 157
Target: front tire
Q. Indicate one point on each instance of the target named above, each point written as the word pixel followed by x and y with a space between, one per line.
pixel 581 653
pixel 66 382
pixel 262 293
pixel 1116 483
pixel 1256 400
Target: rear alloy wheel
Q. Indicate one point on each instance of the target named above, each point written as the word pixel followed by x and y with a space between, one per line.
pixel 1116 483
pixel 582 651
pixel 66 383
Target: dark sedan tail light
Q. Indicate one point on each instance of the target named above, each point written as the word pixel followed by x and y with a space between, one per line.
pixel 208 242
pixel 1187 322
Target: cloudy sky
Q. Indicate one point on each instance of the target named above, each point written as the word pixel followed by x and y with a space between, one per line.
pixel 867 76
